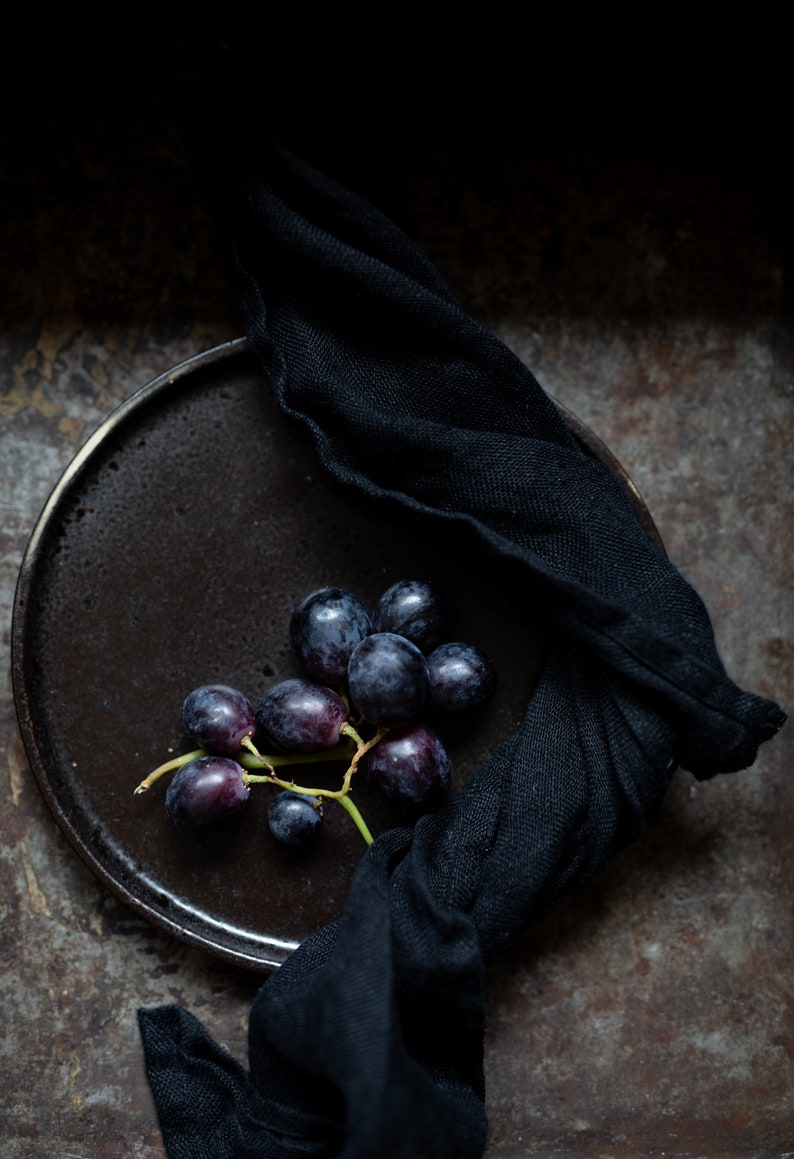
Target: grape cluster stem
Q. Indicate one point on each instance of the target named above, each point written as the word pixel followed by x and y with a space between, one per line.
pixel 351 749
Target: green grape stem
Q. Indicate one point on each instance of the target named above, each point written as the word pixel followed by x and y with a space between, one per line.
pixel 360 823
pixel 168 767
pixel 340 752
pixel 351 748
pixel 342 795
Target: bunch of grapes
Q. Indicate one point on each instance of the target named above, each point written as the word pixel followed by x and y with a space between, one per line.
pixel 367 685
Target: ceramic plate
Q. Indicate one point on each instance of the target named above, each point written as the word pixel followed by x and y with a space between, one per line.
pixel 171 554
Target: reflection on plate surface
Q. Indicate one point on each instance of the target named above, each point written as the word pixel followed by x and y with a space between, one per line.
pixel 171 554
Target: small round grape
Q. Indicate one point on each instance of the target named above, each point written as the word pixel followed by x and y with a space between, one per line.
pixel 218 718
pixel 413 608
pixel 410 765
pixel 295 818
pixel 387 679
pixel 324 629
pixel 460 677
pixel 300 716
pixel 205 791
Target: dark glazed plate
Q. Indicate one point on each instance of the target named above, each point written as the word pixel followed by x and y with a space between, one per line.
pixel 170 554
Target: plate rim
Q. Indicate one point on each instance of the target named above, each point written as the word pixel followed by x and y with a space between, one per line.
pixel 273 951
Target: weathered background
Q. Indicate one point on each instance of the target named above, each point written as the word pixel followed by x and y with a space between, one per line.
pixel 621 218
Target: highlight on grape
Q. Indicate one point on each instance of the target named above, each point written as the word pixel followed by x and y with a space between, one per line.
pixel 368 684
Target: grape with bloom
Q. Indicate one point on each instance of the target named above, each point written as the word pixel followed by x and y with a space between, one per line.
pixel 205 791
pixel 461 677
pixel 218 718
pixel 387 679
pixel 295 818
pixel 415 609
pixel 411 765
pixel 300 716
pixel 324 629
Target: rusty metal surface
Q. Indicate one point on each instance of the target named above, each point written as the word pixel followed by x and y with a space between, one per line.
pixel 647 288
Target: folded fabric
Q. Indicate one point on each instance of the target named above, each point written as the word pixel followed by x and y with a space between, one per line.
pixel 368 1041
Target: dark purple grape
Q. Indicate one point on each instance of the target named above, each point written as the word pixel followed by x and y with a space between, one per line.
pixel 205 791
pixel 218 718
pixel 295 818
pixel 413 608
pixel 300 716
pixel 411 766
pixel 324 629
pixel 387 679
pixel 460 677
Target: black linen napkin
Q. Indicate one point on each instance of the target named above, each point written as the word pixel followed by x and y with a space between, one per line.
pixel 368 1041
